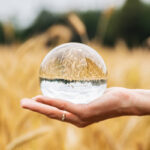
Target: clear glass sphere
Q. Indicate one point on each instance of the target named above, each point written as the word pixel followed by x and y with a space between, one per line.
pixel 73 72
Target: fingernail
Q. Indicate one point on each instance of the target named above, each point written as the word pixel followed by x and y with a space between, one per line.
pixel 36 97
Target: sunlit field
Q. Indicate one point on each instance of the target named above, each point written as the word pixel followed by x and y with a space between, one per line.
pixel 24 130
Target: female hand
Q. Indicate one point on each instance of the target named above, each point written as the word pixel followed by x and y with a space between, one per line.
pixel 115 102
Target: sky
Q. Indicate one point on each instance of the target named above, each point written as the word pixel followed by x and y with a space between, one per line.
pixel 25 11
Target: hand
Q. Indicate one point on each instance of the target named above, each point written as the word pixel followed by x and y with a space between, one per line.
pixel 114 102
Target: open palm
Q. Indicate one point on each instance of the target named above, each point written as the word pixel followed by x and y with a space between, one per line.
pixel 114 102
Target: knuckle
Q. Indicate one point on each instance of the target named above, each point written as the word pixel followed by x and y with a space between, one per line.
pixel 63 106
pixel 51 115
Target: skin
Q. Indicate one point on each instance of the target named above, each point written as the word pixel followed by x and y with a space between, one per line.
pixel 115 102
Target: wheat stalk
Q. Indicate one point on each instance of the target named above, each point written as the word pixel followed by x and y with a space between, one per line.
pixel 132 123
pixel 78 26
pixel 27 137
pixel 110 139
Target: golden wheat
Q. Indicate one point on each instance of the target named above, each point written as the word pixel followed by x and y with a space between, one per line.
pixel 19 68
pixel 78 26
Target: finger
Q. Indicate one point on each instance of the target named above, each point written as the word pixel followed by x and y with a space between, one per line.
pixel 60 104
pixel 49 111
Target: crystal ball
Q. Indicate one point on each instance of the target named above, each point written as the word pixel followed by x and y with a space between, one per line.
pixel 73 72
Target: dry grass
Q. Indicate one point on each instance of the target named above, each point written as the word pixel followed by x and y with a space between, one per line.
pixel 19 67
pixel 78 26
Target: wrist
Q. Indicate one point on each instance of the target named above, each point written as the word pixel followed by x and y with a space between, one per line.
pixel 142 101
pixel 136 102
pixel 128 104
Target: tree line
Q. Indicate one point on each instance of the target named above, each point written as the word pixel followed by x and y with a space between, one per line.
pixel 130 23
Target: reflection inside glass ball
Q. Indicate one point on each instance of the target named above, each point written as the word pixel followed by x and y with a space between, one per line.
pixel 73 72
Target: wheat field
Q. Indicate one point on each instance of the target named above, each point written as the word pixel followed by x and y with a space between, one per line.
pixel 24 130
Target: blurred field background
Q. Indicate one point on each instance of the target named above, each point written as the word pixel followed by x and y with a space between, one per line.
pixel 120 36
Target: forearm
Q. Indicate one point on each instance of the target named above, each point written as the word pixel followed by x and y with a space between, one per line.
pixel 139 102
